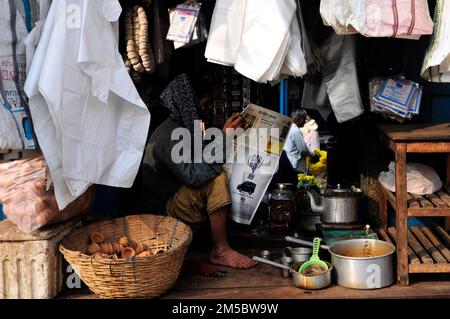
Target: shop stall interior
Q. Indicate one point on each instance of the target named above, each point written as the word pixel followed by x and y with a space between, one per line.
pixel 358 149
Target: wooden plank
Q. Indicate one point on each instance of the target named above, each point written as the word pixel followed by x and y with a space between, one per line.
pixel 447 182
pixel 447 179
pixel 440 246
pixel 387 141
pixel 427 212
pixel 412 258
pixel 444 197
pixel 428 147
pixel 412 202
pixel 401 210
pixel 421 289
pixel 430 268
pixel 425 289
pixel 416 132
pixel 385 236
pixel 389 195
pixel 418 249
pixel 437 256
pixel 444 236
pixel 423 201
pixel 436 201
pixel 382 207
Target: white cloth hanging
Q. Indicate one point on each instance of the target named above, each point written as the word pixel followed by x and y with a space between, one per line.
pixel 407 19
pixel 32 40
pixel 436 66
pixel 225 31
pixel 90 121
pixel 261 39
pixel 265 38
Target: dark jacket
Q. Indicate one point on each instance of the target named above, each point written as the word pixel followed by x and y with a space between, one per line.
pixel 161 176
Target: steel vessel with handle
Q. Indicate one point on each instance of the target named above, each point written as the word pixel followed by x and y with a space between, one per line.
pixel 360 263
pixel 315 282
pixel 337 206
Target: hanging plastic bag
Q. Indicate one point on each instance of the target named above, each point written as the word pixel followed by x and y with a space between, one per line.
pixel 397 98
pixel 15 124
pixel 436 67
pixel 199 34
pixel 421 179
pixel 408 19
pixel 26 200
pixel 183 21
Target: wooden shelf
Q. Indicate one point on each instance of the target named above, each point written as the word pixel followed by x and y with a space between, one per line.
pixel 404 139
pixel 434 205
pixel 428 248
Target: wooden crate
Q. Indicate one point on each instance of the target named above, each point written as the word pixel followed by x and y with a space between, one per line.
pixel 428 248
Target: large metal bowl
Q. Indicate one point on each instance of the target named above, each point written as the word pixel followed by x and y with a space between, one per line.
pixel 311 282
pixel 355 269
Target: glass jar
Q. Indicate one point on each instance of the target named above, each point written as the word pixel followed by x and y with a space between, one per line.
pixel 282 207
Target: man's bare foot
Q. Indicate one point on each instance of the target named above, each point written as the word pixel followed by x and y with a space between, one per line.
pixel 231 258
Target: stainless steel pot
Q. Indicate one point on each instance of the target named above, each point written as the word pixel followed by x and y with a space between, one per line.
pixel 301 281
pixel 337 206
pixel 298 254
pixel 360 263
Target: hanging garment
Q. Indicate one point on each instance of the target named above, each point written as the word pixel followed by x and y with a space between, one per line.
pixel 311 135
pixel 407 19
pixel 90 121
pixel 32 40
pixel 16 19
pixel 339 86
pixel 436 67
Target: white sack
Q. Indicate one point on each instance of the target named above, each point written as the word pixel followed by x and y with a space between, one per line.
pixel 436 67
pixel 225 31
pixel 265 38
pixel 421 179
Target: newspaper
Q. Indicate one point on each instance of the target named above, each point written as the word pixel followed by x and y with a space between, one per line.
pixel 254 160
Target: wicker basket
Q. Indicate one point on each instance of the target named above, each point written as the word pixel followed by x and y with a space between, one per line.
pixel 141 277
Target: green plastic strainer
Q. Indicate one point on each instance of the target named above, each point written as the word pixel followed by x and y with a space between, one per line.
pixel 314 260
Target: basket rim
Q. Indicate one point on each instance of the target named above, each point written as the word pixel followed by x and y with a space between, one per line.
pixel 65 251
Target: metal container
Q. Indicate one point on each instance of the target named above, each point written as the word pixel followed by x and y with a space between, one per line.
pixel 337 206
pixel 360 263
pixel 301 281
pixel 360 272
pixel 298 254
pixel 265 254
pixel 286 261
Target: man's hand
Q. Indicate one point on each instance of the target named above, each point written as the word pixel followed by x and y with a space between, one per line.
pixel 233 122
pixel 314 157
